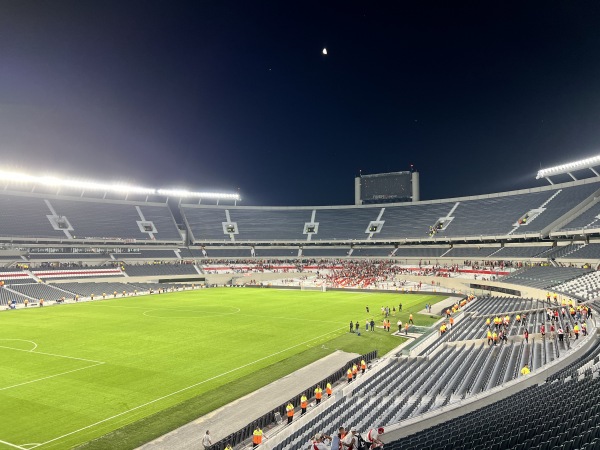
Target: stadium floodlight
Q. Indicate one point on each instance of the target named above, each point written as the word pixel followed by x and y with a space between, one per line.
pixel 567 168
pixel 123 188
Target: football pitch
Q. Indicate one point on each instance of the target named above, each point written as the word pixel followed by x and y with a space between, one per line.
pixel 73 373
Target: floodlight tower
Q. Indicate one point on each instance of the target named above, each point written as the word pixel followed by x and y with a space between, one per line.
pixel 569 168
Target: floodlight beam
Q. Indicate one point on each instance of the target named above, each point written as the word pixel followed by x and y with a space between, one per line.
pixel 15 177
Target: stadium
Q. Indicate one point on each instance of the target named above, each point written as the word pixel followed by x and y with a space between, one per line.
pixel 140 317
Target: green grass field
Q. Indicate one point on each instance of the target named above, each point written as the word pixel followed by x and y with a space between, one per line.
pixel 117 373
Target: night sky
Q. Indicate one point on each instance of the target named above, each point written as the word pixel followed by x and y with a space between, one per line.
pixel 223 95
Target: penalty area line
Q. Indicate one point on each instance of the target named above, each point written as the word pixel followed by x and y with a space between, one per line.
pixel 185 389
pixel 12 445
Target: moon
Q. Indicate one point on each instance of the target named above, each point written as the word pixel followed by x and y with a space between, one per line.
pixel 324 51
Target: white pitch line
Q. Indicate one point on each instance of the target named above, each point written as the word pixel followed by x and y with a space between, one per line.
pixel 185 389
pixel 23 340
pixel 12 445
pixel 53 354
pixel 49 376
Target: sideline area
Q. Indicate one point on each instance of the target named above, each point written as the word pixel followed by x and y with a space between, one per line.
pixel 235 415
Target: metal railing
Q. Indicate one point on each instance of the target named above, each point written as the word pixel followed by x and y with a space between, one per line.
pixel 270 418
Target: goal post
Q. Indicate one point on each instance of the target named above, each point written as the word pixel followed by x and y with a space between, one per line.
pixel 321 288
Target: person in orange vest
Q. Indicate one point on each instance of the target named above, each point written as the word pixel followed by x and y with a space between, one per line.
pixel 354 371
pixel 363 366
pixel 328 390
pixel 349 375
pixel 290 412
pixel 318 394
pixel 410 319
pixel 257 437
pixel 451 322
pixel 406 329
pixel 303 404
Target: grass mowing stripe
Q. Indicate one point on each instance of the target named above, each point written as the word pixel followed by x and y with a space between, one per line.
pixel 150 357
pixel 184 389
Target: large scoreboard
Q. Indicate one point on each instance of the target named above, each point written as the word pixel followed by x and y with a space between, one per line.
pixel 392 187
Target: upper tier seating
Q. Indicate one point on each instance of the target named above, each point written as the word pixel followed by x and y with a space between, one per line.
pixel 588 219
pixel 26 216
pixel 488 216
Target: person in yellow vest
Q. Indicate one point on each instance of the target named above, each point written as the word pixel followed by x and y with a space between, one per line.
pixel 548 297
pixel 487 322
pixel 328 390
pixel 257 437
pixel 489 337
pixel 229 447
pixel 495 338
pixel 349 375
pixel 318 394
pixel 555 297
pixel 410 319
pixel 354 371
pixel 525 370
pixel 443 328
pixel 290 412
pixel 303 404
pixel 506 320
pixel 576 330
pixel 363 366
pixel 26 302
pixel 518 318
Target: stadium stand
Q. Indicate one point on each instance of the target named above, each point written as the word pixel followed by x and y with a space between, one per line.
pixel 471 252
pixel 67 256
pixel 588 219
pixel 150 270
pixel 269 252
pixel 586 287
pixel 442 374
pixel 512 423
pixel 372 251
pixel 37 291
pixel 544 277
pixel 224 252
pixel 146 254
pixel 420 252
pixel 8 295
pixel 57 273
pixel 585 251
pixel 529 251
pixel 325 252
pixel 25 217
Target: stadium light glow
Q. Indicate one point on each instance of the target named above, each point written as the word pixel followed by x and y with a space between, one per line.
pixel 567 168
pixel 123 188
